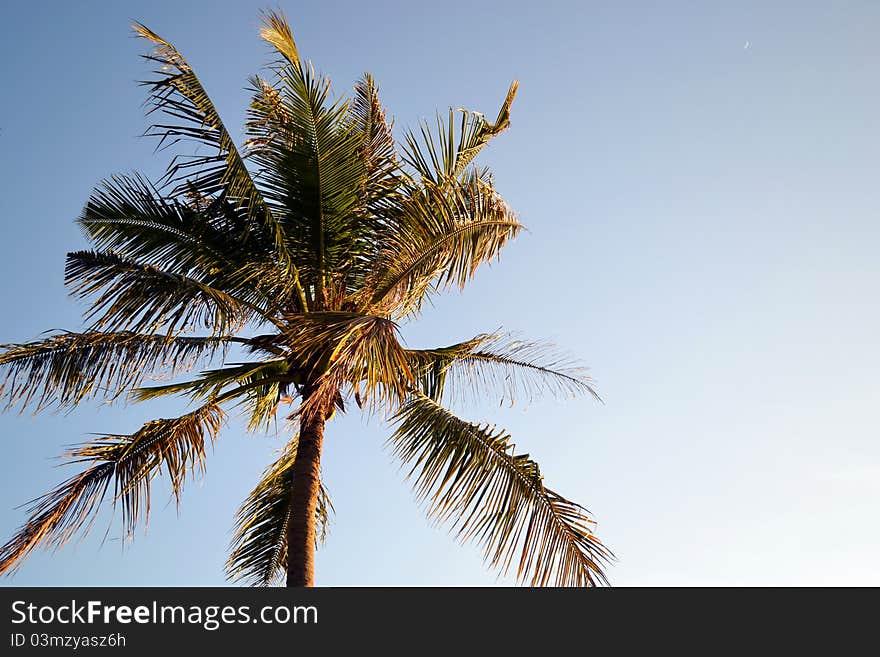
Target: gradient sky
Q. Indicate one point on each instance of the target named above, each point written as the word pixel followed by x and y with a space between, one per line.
pixel 700 185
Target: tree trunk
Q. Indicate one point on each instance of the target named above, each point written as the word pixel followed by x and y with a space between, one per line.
pixel 304 501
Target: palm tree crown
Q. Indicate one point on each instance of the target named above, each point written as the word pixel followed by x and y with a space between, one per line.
pixel 304 249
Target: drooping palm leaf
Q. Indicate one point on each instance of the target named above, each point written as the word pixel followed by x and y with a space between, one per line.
pixel 472 478
pixel 176 446
pixel 499 364
pixel 258 551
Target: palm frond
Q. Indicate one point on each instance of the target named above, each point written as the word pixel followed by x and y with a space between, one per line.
pixel 179 94
pixel 447 234
pixel 276 31
pixel 66 368
pixel 499 364
pixel 143 298
pixel 311 171
pixel 261 390
pixel 443 157
pixel 258 551
pixel 258 387
pixel 208 239
pixel 128 215
pixel 367 118
pixel 176 446
pixel 472 478
pixel 211 383
pixel 381 196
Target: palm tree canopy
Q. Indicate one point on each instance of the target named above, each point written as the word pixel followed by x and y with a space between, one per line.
pixel 305 248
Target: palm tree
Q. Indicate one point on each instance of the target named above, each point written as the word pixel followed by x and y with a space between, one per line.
pixel 304 250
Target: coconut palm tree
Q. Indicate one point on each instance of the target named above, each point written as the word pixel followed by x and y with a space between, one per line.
pixel 303 251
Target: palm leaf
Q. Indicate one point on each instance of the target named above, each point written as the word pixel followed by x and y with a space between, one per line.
pixel 258 387
pixel 211 383
pixel 500 364
pixel 443 157
pixel 367 118
pixel 381 195
pixel 176 446
pixel 179 94
pixel 128 215
pixel 208 239
pixel 276 31
pixel 64 369
pixel 448 233
pixel 258 552
pixel 143 298
pixel 472 478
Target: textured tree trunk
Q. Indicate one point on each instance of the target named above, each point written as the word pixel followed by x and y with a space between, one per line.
pixel 304 500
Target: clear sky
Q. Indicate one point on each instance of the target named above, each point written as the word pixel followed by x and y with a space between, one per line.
pixel 700 181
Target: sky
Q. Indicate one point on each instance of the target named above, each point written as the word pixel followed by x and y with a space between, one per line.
pixel 700 187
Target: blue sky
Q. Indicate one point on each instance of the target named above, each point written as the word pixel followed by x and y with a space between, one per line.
pixel 700 185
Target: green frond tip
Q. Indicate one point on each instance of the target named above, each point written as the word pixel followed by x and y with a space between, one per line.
pixel 276 31
pixel 176 446
pixel 472 478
